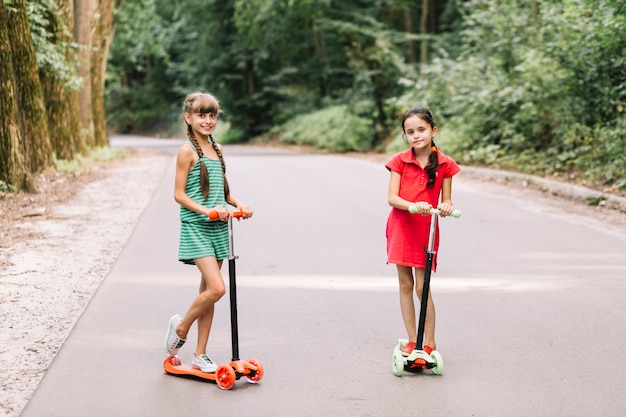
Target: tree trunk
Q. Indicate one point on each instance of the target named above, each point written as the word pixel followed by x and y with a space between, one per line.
pixel 32 113
pixel 83 12
pixel 424 32
pixel 408 28
pixel 322 57
pixel 104 29
pixel 13 169
pixel 61 102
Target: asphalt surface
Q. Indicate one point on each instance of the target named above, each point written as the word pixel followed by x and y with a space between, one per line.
pixel 530 307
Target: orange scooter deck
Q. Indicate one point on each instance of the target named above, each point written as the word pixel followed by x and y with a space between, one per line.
pixel 174 366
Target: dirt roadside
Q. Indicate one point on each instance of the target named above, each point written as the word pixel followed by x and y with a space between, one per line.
pixel 53 254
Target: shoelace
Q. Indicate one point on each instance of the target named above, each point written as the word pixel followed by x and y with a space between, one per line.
pixel 204 359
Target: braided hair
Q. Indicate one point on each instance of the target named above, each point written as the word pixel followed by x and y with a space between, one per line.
pixel 205 103
pixel 433 158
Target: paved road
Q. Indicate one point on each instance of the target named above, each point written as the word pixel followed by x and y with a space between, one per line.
pixel 531 316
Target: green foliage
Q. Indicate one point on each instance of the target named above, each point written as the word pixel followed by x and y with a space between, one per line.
pixel 335 129
pixel 84 163
pixel 233 135
pixel 535 89
pixel 535 86
pixel 138 92
pixel 6 188
pixel 50 52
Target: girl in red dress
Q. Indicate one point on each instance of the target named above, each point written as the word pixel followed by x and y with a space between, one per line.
pixel 420 176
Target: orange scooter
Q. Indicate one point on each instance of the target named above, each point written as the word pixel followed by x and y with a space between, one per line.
pixel 225 375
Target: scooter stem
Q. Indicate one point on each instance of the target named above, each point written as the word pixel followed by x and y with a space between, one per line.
pixel 232 275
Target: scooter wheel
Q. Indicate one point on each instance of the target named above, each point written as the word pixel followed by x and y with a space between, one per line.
pixel 225 377
pixel 258 374
pixel 397 362
pixel 438 368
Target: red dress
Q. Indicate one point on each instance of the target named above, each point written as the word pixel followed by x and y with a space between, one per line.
pixel 407 234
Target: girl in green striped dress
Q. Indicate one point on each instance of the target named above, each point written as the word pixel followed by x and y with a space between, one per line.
pixel 201 187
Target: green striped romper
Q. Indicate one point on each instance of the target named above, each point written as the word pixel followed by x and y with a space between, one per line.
pixel 199 236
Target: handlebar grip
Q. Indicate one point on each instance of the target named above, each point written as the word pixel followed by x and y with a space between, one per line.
pixel 213 215
pixel 455 213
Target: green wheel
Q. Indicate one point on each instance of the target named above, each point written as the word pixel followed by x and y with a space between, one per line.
pixel 397 362
pixel 436 356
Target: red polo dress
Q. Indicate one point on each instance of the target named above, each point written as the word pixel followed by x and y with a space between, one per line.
pixel 407 234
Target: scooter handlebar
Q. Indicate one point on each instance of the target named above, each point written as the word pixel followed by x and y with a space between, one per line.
pixel 455 213
pixel 213 215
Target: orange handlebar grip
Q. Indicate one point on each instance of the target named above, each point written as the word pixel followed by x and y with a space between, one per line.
pixel 214 216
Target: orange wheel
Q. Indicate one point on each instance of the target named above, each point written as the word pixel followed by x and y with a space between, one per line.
pixel 258 374
pixel 225 377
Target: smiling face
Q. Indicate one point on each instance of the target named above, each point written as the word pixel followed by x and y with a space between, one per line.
pixel 200 112
pixel 202 124
pixel 419 133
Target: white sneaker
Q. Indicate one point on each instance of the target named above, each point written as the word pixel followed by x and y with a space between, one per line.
pixel 172 342
pixel 204 364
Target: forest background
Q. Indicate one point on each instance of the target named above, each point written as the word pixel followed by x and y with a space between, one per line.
pixel 532 86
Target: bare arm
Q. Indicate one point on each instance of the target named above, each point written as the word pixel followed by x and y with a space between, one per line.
pixel 184 162
pixel 245 209
pixel 446 207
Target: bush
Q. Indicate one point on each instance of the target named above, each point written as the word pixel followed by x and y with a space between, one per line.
pixel 534 92
pixel 335 129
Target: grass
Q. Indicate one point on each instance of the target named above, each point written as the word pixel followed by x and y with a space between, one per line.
pixel 84 163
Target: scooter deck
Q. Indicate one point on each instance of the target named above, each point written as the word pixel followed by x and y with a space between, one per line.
pixel 174 366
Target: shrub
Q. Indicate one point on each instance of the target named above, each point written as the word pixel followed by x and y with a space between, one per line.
pixel 335 129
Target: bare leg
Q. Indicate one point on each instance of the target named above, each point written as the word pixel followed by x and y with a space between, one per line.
pixel 202 308
pixel 407 305
pixel 429 325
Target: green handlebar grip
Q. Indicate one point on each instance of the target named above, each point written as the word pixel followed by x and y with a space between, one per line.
pixel 455 213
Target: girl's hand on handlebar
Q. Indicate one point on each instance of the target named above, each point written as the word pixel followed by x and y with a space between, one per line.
pixel 445 209
pixel 246 211
pixel 420 207
pixel 221 212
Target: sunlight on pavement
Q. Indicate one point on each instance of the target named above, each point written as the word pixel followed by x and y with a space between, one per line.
pixel 519 283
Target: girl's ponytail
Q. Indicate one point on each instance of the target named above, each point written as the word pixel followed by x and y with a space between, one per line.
pixel 204 173
pixel 433 164
pixel 221 157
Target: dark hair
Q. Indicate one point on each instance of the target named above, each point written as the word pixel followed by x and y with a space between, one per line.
pixel 433 158
pixel 205 103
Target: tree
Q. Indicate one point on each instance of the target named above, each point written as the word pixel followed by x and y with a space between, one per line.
pixel 61 96
pixel 103 31
pixel 37 149
pixel 83 14
pixel 424 31
pixel 13 169
pixel 41 106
